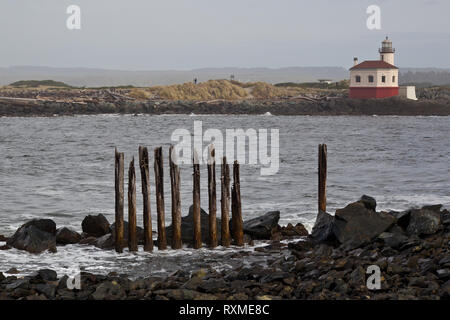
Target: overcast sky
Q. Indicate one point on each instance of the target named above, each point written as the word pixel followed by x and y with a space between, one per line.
pixel 186 34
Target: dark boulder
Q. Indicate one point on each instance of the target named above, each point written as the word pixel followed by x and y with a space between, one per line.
pixel 356 225
pixel 423 222
pixel 290 230
pixel 393 240
pixel 95 226
pixel 260 228
pixel 369 202
pixel 323 230
pixel 106 242
pixel 187 227
pixel 35 236
pixel 3 238
pixel 45 275
pixel 402 217
pixel 67 236
pixel 139 233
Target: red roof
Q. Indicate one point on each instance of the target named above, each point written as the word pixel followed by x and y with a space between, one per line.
pixel 374 64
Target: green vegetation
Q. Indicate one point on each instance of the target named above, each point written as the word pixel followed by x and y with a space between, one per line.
pixel 39 83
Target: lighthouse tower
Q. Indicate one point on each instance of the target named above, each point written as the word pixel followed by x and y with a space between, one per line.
pixel 375 78
pixel 387 52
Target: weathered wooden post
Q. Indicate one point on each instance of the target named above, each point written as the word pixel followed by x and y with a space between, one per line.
pixel 176 200
pixel 145 180
pixel 196 203
pixel 132 237
pixel 212 197
pixel 236 207
pixel 322 178
pixel 159 183
pixel 119 189
pixel 225 203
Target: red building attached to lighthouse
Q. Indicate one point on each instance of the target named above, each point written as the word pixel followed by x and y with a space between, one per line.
pixel 376 78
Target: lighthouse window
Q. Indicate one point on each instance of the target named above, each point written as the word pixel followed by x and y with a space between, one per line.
pixel 371 79
pixel 358 78
pixel 393 78
pixel 383 79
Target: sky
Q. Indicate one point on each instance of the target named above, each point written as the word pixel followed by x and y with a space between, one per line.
pixel 188 34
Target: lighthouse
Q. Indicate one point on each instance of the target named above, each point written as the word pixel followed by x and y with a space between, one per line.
pixel 375 78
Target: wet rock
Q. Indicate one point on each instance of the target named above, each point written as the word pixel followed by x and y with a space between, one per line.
pixel 88 241
pixel 95 226
pixel 21 283
pixel 2 277
pixel 67 236
pixel 46 275
pixel 5 247
pixel 368 202
pixel 260 228
pixel 3 238
pixel 139 233
pixel 290 231
pixel 187 227
pixel 402 217
pixel 106 242
pixel 35 236
pixel 355 225
pixel 323 229
pixel 435 208
pixel 12 271
pixel 423 222
pixel 49 290
pixel 109 290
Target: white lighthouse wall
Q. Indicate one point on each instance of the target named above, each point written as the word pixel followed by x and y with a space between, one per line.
pixel 387 57
pixel 377 74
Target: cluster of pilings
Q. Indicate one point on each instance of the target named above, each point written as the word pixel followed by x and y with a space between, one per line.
pixel 235 199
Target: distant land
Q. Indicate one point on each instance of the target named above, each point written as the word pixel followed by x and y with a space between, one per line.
pixel 80 77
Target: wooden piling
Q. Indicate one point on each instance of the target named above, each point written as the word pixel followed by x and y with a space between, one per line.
pixel 225 203
pixel 132 237
pixel 176 200
pixel 322 178
pixel 196 203
pixel 145 181
pixel 159 183
pixel 119 190
pixel 236 207
pixel 212 197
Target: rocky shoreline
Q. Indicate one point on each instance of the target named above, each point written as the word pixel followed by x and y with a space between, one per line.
pixel 411 249
pixel 327 107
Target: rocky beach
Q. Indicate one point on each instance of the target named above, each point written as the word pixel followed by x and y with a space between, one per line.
pixel 411 248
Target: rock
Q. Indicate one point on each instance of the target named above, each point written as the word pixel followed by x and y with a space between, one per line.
pixel 49 290
pixel 3 238
pixel 435 208
pixel 355 225
pixel 95 226
pixel 402 217
pixel 393 240
pixel 67 236
pixel 446 218
pixel 5 247
pixel 21 283
pixel 423 222
pixel 109 290
pixel 139 233
pixel 12 271
pixel 2 277
pixel 88 241
pixel 260 228
pixel 187 227
pixel 443 274
pixel 35 236
pixel 323 229
pixel 105 242
pixel 46 275
pixel 298 231
pixel 368 202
